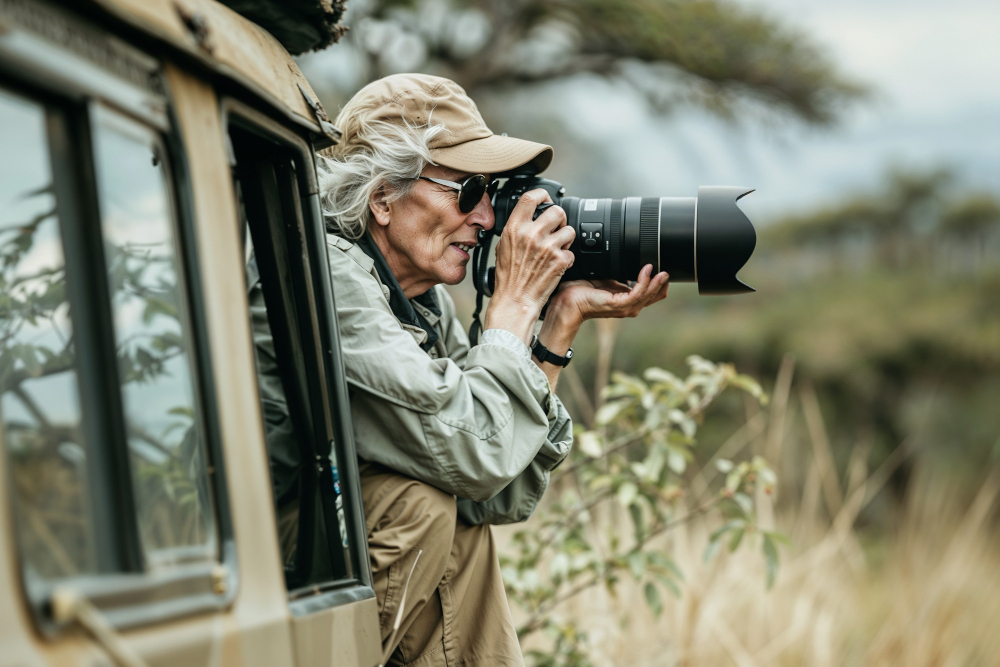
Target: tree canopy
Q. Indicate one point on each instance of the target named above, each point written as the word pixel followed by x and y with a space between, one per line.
pixel 713 53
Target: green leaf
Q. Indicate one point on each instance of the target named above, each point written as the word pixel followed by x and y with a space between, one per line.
pixel 733 480
pixel 770 559
pixel 664 561
pixel 778 536
pixel 726 527
pixel 751 386
pixel 654 374
pixel 735 539
pixel 637 521
pixel 676 460
pixel 654 462
pixel 700 365
pixel 712 549
pixel 158 306
pixel 652 594
pixel 636 386
pixel 671 585
pixel 589 443
pixel 609 412
pixel 636 564
pixel 654 417
pixel 26 353
pixel 767 476
pixel 613 391
pixel 627 493
pixel 744 502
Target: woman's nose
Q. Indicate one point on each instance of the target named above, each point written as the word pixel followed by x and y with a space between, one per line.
pixel 482 215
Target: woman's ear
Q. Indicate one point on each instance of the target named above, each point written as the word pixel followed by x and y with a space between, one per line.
pixel 379 207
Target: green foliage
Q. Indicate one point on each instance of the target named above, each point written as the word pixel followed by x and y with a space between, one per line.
pixel 912 212
pixel 635 461
pixel 568 648
pixel 896 324
pixel 714 53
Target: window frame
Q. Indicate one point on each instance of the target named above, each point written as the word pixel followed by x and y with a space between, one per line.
pixel 313 598
pixel 67 85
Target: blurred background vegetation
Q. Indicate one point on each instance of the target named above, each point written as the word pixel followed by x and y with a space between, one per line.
pixel 876 325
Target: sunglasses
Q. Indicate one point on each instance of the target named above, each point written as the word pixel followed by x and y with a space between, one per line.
pixel 470 191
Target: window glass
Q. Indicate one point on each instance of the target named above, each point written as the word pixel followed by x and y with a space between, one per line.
pixel 169 471
pixel 39 399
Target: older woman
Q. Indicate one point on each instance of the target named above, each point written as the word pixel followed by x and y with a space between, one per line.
pixel 451 438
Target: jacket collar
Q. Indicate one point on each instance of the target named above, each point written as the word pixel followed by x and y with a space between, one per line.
pixel 402 307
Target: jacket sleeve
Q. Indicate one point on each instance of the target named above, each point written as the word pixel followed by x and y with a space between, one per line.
pixel 518 500
pixel 469 431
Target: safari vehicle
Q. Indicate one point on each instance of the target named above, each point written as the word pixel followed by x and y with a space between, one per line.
pixel 150 152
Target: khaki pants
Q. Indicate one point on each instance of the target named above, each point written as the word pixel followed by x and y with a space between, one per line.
pixel 456 611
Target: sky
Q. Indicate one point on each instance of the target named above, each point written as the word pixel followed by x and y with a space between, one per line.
pixel 935 67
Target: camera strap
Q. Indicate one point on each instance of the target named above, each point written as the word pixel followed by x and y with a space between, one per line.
pixel 480 259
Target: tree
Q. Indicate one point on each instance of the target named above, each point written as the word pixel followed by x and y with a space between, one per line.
pixel 716 54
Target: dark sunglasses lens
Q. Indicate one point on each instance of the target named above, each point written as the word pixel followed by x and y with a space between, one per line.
pixel 491 189
pixel 472 191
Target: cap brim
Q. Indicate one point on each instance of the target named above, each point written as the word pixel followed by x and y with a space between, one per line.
pixel 494 154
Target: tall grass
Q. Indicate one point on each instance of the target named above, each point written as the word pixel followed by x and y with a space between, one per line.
pixel 922 590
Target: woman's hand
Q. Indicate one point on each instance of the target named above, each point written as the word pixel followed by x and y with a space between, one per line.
pixel 532 256
pixel 586 299
pixel 579 300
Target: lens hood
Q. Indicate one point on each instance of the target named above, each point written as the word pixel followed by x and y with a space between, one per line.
pixel 724 240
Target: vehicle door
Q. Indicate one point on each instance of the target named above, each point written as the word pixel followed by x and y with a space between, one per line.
pixel 138 518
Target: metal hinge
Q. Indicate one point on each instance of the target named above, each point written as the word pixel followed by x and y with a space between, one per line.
pixel 325 125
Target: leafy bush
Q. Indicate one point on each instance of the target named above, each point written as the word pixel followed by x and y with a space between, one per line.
pixel 637 459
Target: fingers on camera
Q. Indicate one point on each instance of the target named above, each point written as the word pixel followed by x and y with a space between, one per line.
pixel 567 257
pixel 564 236
pixel 534 197
pixel 530 200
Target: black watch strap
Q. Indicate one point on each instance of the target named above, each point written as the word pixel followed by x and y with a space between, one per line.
pixel 543 354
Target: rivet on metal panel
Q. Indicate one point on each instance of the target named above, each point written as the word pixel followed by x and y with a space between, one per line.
pixel 327 127
pixel 197 25
pixel 220 580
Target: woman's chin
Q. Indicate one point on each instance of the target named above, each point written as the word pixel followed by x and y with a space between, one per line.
pixel 454 275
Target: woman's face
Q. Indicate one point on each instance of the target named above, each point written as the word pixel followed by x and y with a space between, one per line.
pixel 425 238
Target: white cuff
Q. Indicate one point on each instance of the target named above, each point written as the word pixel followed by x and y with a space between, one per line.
pixel 506 339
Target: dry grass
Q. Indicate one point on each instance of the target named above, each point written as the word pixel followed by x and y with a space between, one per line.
pixel 930 596
pixel 924 593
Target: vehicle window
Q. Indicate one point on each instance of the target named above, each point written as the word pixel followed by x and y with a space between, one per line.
pixel 39 393
pixel 295 399
pixel 163 430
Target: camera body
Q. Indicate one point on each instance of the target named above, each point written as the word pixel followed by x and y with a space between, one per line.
pixel 705 239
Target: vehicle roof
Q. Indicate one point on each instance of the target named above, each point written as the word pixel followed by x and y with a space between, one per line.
pixel 228 44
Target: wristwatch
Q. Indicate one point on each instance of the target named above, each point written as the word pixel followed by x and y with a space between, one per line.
pixel 544 354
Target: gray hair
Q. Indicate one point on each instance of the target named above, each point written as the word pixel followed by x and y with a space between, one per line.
pixel 373 155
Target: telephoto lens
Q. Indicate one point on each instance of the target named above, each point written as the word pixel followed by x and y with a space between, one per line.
pixel 705 239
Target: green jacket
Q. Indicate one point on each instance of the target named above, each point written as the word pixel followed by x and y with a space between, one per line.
pixel 477 422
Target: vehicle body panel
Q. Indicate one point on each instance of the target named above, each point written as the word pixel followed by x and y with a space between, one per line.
pixel 232 47
pixel 258 626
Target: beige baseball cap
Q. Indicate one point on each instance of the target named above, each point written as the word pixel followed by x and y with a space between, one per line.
pixel 466 144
